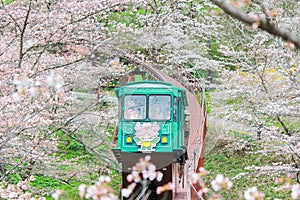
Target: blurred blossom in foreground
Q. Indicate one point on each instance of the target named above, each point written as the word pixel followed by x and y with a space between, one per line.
pixel 57 194
pixel 197 177
pixel 253 194
pixel 19 191
pixel 25 86
pixel 220 182
pixel 161 189
pixel 81 190
pixel 55 81
pixel 126 192
pixel 100 190
pixel 295 191
pixel 145 171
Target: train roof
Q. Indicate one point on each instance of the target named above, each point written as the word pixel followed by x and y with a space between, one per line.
pixel 147 86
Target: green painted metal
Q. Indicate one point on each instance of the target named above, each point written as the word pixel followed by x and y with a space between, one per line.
pixel 144 135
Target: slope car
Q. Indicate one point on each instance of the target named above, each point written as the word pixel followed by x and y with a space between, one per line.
pixel 152 120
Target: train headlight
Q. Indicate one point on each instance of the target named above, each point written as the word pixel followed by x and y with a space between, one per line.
pixel 128 139
pixel 164 139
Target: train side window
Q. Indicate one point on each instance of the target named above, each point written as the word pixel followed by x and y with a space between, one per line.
pixel 120 108
pixel 135 107
pixel 159 107
pixel 175 108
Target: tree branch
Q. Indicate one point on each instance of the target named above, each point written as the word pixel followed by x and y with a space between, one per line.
pixel 264 24
pixel 22 35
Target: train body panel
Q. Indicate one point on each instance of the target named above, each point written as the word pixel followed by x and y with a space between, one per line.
pixel 151 121
pixel 151 117
pixel 160 132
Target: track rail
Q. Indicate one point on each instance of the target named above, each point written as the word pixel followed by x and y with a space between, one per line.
pixel 197 110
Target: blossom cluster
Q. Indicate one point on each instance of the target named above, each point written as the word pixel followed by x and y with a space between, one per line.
pixel 19 191
pixel 99 191
pixel 144 171
pixel 220 182
pixel 46 51
pixel 253 194
pixel 287 181
pixel 295 191
pixel 26 86
pixel 102 191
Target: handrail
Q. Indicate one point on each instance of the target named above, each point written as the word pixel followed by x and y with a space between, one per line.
pixel 142 194
pixel 197 194
pixel 197 89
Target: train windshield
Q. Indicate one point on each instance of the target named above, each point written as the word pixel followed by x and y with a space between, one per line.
pixel 159 107
pixel 135 107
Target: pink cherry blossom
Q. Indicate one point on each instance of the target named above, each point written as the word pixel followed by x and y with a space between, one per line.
pixel 220 182
pixel 253 194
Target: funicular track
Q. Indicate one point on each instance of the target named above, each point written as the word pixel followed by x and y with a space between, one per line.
pixel 196 138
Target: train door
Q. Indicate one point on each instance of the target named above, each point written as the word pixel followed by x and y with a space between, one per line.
pixel 180 122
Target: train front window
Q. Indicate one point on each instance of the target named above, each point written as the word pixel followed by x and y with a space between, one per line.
pixel 135 107
pixel 159 107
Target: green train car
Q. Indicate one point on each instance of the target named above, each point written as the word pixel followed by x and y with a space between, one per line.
pixel 152 120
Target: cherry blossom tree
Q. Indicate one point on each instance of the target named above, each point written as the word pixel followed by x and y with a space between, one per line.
pixel 265 16
pixel 49 50
pixel 259 80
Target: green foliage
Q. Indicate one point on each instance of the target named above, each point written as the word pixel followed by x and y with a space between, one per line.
pixel 17 173
pixel 208 102
pixel 116 180
pixel 294 126
pixel 7 2
pixel 141 11
pixel 103 104
pixel 70 191
pixel 79 90
pixel 232 101
pixel 215 54
pixel 272 121
pixel 69 147
pixel 235 102
pixel 204 7
pixel 41 182
pixel 14 178
pixel 230 164
pixel 127 17
pixel 241 134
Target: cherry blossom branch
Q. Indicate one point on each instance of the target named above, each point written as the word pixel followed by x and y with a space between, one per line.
pixel 60 66
pixel 261 77
pixel 106 9
pixel 22 35
pixel 29 166
pixel 264 24
pixel 13 168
